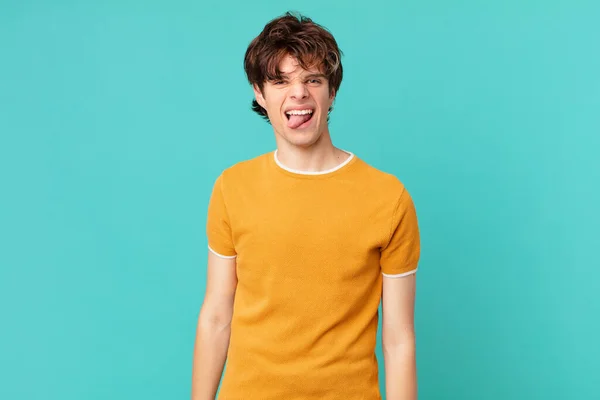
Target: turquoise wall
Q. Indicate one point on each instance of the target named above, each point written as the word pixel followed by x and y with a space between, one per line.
pixel 116 117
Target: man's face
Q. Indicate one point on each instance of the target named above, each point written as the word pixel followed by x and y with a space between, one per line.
pixel 298 104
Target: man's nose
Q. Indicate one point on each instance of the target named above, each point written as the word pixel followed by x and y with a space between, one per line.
pixel 298 91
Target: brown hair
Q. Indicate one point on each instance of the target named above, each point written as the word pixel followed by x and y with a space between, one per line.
pixel 298 36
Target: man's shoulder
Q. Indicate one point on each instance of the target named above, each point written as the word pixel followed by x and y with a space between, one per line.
pixel 378 179
pixel 246 169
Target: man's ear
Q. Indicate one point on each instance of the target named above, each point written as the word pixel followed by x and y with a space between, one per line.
pixel 332 96
pixel 260 98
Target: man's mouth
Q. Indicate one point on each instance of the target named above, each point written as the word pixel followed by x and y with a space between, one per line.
pixel 298 118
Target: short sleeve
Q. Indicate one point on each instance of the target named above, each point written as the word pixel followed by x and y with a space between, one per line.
pixel 218 226
pixel 401 254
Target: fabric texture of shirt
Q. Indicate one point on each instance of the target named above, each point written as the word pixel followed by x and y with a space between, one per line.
pixel 311 250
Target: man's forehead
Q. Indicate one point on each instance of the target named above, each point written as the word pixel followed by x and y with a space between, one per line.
pixel 290 66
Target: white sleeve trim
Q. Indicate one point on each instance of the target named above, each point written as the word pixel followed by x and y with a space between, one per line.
pixel 220 255
pixel 401 275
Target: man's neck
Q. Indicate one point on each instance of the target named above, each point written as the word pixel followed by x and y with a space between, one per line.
pixel 312 159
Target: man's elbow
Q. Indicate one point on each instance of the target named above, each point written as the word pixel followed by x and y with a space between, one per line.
pixel 398 340
pixel 214 320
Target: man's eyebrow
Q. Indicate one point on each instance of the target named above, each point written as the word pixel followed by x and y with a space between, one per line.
pixel 284 76
pixel 315 75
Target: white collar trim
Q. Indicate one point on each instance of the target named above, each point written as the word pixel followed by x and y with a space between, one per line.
pixel 295 171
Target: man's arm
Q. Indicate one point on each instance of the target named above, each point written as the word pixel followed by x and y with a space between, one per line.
pixel 398 337
pixel 213 330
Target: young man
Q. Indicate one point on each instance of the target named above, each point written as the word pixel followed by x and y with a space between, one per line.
pixel 304 243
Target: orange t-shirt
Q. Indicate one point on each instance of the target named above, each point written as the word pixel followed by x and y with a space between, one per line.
pixel 310 252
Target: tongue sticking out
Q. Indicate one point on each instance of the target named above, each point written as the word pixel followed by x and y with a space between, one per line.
pixel 296 120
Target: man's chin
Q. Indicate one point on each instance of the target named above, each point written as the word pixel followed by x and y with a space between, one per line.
pixel 301 138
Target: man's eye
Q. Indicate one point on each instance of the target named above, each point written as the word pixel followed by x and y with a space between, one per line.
pixel 314 81
pixel 278 83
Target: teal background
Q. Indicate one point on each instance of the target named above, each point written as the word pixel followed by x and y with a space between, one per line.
pixel 116 117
